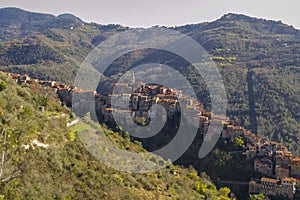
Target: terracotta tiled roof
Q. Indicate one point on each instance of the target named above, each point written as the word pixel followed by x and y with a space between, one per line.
pixel 289 179
pixel 295 160
pixel 109 109
pixel 269 180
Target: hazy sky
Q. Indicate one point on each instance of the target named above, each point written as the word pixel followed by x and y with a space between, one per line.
pixel 145 13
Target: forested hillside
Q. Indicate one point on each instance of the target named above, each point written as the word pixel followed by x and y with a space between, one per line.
pixel 259 61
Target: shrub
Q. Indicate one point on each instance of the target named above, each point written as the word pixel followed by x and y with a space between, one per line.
pixel 2 86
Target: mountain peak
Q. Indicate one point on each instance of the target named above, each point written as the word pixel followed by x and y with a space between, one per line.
pixel 11 12
pixel 260 24
pixel 235 16
pixel 71 17
pixel 11 9
pixel 242 17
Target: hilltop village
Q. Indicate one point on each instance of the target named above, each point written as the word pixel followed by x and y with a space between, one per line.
pixel 279 167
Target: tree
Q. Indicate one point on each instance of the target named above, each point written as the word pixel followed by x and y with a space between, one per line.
pixel 2 86
pixel 142 121
pixel 257 197
pixel 225 191
pixel 200 187
pixel 239 142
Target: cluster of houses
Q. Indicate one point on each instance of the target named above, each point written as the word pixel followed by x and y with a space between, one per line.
pixel 276 187
pixel 280 167
pixel 64 91
pixel 137 104
pixel 124 103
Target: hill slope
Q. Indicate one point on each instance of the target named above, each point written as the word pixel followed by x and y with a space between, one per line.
pixel 43 158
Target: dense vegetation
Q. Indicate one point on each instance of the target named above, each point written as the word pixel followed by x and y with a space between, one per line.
pixel 61 167
pixel 258 59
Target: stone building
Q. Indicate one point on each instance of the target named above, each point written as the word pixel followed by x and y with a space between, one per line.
pixel 282 171
pixel 274 187
pixel 264 166
pixel 295 166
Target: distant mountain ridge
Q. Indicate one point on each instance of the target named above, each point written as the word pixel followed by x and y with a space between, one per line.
pixel 232 18
pixel 271 25
pixel 17 23
pixel 25 22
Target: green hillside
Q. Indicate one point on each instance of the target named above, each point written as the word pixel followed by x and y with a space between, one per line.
pixel 43 159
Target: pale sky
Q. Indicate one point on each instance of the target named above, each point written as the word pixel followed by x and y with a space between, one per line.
pixel 146 13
